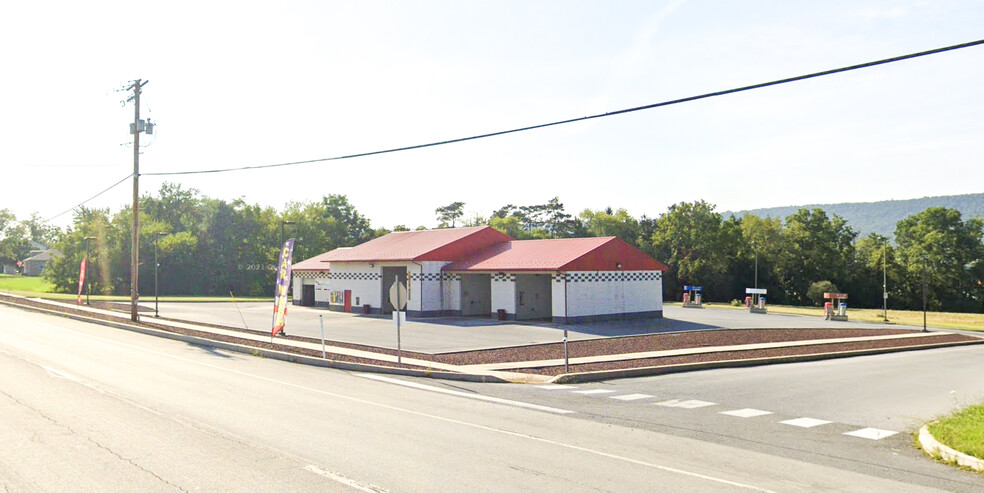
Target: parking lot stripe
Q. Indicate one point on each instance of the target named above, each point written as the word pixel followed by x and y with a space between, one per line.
pixel 871 433
pixel 805 422
pixel 631 397
pixel 593 391
pixel 746 413
pixel 554 386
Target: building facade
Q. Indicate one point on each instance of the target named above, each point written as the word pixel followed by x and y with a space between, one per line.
pixel 484 273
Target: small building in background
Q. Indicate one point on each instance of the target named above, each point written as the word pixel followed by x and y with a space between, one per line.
pixel 35 264
pixel 480 271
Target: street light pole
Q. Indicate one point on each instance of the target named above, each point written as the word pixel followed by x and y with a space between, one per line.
pixel 924 291
pixel 157 266
pixel 283 228
pixel 756 268
pixel 884 283
pixel 88 268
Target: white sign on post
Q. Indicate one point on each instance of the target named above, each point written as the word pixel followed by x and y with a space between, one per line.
pixel 398 295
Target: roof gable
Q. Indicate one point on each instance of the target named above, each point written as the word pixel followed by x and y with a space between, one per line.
pixel 435 244
pixel 565 254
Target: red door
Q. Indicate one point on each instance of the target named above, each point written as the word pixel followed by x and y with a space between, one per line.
pixel 348 300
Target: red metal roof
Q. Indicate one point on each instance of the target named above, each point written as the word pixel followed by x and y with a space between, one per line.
pixel 567 254
pixel 315 263
pixel 436 244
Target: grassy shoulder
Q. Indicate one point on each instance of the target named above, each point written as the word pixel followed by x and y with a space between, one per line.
pixel 962 431
pixel 24 284
pixel 37 287
pixel 946 320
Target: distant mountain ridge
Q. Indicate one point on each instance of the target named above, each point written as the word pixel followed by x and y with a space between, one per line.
pixel 880 217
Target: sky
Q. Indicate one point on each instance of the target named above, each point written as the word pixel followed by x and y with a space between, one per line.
pixel 244 83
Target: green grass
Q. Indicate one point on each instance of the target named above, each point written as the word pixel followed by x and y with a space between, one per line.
pixel 962 431
pixel 37 287
pixel 946 320
pixel 24 284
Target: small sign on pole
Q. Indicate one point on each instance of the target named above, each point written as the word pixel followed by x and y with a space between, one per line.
pixel 398 297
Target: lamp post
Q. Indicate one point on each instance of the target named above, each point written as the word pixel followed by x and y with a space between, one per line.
pixel 283 228
pixel 88 283
pixel 157 266
pixel 884 283
pixel 924 291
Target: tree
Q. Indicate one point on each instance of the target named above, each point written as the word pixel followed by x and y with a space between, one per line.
pixel 611 223
pixel 759 248
pixel 14 239
pixel 817 289
pixel 815 248
pixel 697 245
pixel 449 213
pixel 952 253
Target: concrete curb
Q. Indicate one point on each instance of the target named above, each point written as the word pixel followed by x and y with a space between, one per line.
pixel 267 353
pixel 498 376
pixel 932 447
pixel 738 363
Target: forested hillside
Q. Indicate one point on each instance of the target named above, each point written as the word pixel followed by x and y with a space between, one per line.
pixel 880 217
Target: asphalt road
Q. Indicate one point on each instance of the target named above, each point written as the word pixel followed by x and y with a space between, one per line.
pixel 896 393
pixel 435 335
pixel 87 407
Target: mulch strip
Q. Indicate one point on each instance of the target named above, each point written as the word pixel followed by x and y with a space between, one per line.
pixel 782 352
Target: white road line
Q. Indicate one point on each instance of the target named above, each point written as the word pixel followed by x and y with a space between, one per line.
pixel 421 414
pixel 805 422
pixel 343 480
pixel 593 391
pixel 746 413
pixel 631 397
pixel 555 386
pixel 457 393
pixel 688 404
pixel 59 373
pixel 871 433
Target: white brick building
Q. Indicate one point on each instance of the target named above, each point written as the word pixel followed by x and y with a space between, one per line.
pixel 483 272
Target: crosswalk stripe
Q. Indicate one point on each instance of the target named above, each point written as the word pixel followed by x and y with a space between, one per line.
pixel 631 397
pixel 554 386
pixel 805 422
pixel 746 413
pixel 688 404
pixel 871 433
pixel 593 391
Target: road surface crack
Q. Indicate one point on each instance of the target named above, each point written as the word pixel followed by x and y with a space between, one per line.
pixel 72 431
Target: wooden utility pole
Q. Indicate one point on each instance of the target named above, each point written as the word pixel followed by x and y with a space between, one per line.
pixel 135 239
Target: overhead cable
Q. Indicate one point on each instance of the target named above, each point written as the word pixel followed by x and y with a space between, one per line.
pixel 56 216
pixel 591 117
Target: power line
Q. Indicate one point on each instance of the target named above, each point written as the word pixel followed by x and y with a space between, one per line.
pixel 52 218
pixel 592 117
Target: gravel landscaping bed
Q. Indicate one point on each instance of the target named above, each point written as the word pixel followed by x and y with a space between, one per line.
pixel 783 352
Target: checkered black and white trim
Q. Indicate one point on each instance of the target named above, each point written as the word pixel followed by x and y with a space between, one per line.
pixel 426 277
pixel 503 277
pixel 355 276
pixel 304 274
pixel 609 276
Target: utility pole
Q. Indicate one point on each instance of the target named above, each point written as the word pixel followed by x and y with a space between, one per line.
pixel 135 238
pixel 884 283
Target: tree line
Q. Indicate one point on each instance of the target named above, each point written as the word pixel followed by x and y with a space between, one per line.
pixel 207 246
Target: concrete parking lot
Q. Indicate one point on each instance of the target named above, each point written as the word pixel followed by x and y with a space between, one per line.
pixel 440 335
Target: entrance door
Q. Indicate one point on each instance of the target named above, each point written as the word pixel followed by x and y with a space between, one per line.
pixel 391 274
pixel 533 297
pixel 307 295
pixel 476 294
